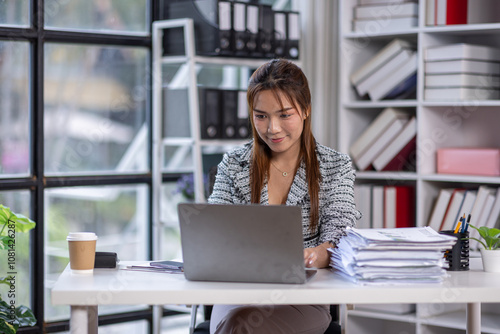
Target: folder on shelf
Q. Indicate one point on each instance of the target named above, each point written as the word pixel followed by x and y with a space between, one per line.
pixel 210 116
pixel 243 123
pixel 403 75
pixel 375 129
pixel 293 35
pixel 439 210
pixel 365 160
pixel 280 35
pixel 399 206
pixel 240 28
pixel 266 31
pixel 399 155
pixel 206 29
pixel 229 113
pixel 252 28
pixel 380 58
pixel 225 23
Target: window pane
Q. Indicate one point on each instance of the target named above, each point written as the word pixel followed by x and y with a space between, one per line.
pixel 119 215
pixel 18 202
pixel 105 16
pixel 95 109
pixel 14 12
pixel 14 109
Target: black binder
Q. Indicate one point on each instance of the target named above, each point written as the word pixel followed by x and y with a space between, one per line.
pixel 205 15
pixel 243 122
pixel 229 113
pixel 293 35
pixel 266 31
pixel 252 28
pixel 240 32
pixel 210 115
pixel 280 37
pixel 225 23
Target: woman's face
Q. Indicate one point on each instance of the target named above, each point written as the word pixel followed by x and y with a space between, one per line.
pixel 280 127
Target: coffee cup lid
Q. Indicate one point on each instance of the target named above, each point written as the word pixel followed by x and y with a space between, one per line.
pixel 79 236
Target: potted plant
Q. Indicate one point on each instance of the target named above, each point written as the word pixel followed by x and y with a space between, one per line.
pixel 490 252
pixel 12 317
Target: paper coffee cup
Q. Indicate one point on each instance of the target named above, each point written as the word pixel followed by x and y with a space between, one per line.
pixel 82 251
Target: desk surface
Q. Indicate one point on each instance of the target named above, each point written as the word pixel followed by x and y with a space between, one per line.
pixel 118 286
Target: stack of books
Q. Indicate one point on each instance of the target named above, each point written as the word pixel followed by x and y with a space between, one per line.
pixel 385 206
pixel 388 143
pixel 374 16
pixel 482 204
pixel 462 72
pixel 389 74
pixel 391 256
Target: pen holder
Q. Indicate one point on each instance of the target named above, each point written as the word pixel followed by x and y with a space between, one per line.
pixel 458 256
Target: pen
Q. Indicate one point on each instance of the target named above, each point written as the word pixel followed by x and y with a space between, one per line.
pixel 466 227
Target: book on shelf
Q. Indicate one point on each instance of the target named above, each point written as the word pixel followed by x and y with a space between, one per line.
pixel 494 215
pixel 482 196
pixel 453 209
pixel 399 155
pixel 440 206
pixel 462 66
pixel 386 25
pixel 462 51
pixel 380 58
pixel 469 161
pixel 384 10
pixel 399 206
pixel 446 12
pixel 383 71
pixel 483 11
pixel 363 200
pixel 377 206
pixel 364 161
pixel 481 219
pixel 461 93
pixel 467 204
pixel 375 129
pixel 462 80
pixel 400 75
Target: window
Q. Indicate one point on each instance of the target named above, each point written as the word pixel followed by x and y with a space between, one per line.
pixel 75 140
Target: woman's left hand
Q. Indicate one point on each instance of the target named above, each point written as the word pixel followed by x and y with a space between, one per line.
pixel 317 257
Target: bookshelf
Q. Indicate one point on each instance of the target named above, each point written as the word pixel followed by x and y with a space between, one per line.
pixel 439 124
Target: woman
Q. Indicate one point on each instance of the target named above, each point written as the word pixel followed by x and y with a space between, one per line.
pixel 284 165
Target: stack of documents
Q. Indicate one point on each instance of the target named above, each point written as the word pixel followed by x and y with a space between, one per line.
pixel 391 255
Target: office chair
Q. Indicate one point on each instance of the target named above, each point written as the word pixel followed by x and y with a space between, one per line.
pixel 204 327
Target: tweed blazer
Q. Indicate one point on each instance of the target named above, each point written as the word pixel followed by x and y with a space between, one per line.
pixel 336 198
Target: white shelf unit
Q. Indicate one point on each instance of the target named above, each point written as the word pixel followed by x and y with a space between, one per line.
pixel 439 124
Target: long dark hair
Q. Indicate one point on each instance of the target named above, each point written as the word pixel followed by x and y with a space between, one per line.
pixel 283 76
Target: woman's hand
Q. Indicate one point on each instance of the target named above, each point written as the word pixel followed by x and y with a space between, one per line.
pixel 317 257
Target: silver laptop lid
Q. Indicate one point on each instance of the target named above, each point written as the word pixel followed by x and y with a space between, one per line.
pixel 242 243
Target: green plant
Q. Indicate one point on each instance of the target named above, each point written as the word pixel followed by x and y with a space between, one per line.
pixel 491 237
pixel 12 317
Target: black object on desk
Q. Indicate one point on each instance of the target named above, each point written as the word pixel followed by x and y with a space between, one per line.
pixel 458 256
pixel 105 260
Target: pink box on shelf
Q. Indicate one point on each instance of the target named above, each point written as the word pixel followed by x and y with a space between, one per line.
pixel 469 161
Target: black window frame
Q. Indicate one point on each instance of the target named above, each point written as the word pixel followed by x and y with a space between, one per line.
pixel 37 182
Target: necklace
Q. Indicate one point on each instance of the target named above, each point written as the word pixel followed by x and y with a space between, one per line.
pixel 282 172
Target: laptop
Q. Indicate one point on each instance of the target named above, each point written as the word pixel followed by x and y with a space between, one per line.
pixel 242 243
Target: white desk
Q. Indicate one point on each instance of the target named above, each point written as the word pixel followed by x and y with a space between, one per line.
pixel 115 287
